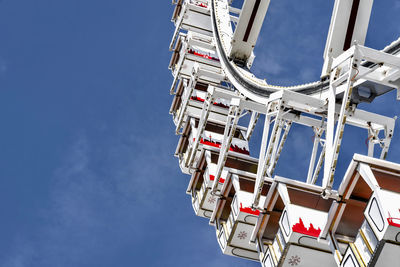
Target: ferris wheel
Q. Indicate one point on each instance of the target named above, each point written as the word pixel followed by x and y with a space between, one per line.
pixel 258 214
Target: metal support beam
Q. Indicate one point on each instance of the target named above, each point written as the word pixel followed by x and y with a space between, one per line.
pixel 265 155
pixel 252 124
pixel 319 166
pixel 178 68
pixel 186 97
pixel 264 217
pixel 317 140
pixel 247 30
pixel 334 138
pixel 273 161
pixel 287 127
pixel 261 159
pixel 372 138
pixel 334 246
pixel 349 23
pixel 205 112
pixel 229 132
pixel 178 26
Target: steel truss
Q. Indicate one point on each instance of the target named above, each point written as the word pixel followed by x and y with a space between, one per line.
pixel 246 202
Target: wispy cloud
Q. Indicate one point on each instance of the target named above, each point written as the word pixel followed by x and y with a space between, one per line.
pixel 267 63
pixel 308 74
pixel 283 55
pixel 75 223
pixel 23 255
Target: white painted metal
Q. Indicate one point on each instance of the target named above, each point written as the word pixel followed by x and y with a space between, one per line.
pixel 287 126
pixel 202 124
pixel 265 157
pixel 247 29
pixel 349 61
pixel 317 141
pixel 252 124
pixel 334 138
pixel 230 128
pixel 341 26
pixel 213 44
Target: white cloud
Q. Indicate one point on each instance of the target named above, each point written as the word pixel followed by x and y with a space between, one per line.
pixel 292 43
pixel 23 256
pixel 76 224
pixel 307 74
pixel 270 66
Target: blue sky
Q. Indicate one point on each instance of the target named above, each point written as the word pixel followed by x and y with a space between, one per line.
pixel 87 173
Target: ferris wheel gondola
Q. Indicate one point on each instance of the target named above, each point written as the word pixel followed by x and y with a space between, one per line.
pixel 257 214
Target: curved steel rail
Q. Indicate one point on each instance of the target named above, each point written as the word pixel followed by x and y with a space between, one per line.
pixel 257 91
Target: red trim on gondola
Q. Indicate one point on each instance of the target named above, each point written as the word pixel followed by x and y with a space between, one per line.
pixel 191 51
pixel 221 180
pixel 201 4
pixel 196 98
pixel 311 231
pixel 235 148
pixel 218 145
pixel 210 143
pixel 249 210
pixel 392 223
pixel 392 220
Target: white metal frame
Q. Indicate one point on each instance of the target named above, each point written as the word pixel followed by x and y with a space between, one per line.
pixel 344 75
pixel 326 113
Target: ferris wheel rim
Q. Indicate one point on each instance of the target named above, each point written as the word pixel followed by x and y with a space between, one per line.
pixel 260 93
